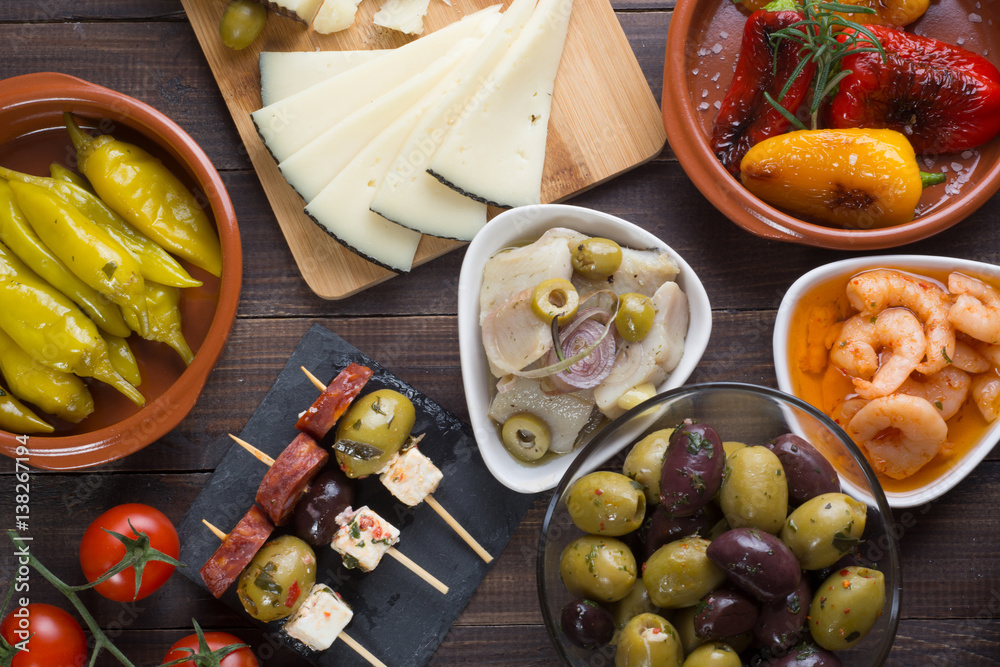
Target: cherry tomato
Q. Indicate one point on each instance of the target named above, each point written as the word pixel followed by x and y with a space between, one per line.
pixel 57 640
pixel 99 551
pixel 242 657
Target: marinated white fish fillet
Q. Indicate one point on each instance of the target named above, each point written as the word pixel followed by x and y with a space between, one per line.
pixel 641 271
pixel 564 414
pixel 513 336
pixel 652 358
pixel 513 271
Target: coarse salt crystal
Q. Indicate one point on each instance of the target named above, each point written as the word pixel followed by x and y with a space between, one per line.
pixel 956 166
pixel 928 162
pixel 975 18
pixel 717 48
pixel 703 106
pixel 967 154
pixel 717 104
pixel 852 160
pixel 704 93
pixel 695 71
pixel 961 40
pixel 715 77
pixel 944 169
pixel 724 34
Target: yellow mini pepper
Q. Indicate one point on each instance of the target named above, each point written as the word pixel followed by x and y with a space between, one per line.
pixel 57 393
pixel 122 359
pixel 854 178
pixel 162 305
pixel 18 418
pixel 143 191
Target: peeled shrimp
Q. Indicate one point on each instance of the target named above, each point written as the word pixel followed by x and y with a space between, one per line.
pixel 968 359
pixel 946 390
pixel 986 393
pixel 900 330
pixel 976 311
pixel 873 291
pixel 901 433
pixel 844 411
pixel 852 352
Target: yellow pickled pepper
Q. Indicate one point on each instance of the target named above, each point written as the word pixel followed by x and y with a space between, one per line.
pixel 164 319
pixel 122 359
pixel 52 329
pixel 16 417
pixel 143 191
pixel 57 393
pixel 61 173
pixel 20 238
pixel 154 262
pixel 86 249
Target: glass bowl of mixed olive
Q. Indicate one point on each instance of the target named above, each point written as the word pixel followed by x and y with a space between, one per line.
pixel 721 536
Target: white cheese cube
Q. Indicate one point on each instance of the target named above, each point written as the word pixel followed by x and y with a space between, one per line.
pixel 402 15
pixel 411 476
pixel 320 619
pixel 335 15
pixel 363 539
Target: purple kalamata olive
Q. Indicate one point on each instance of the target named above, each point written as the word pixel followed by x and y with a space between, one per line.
pixel 587 624
pixel 757 562
pixel 663 528
pixel 781 622
pixel 804 655
pixel 329 494
pixel 808 472
pixel 724 612
pixel 692 469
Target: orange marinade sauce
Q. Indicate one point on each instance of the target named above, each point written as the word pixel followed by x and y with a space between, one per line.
pixel 826 389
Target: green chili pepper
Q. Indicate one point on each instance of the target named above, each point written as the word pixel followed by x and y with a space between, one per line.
pixel 61 173
pixel 164 319
pixel 86 249
pixel 57 393
pixel 21 239
pixel 18 418
pixel 155 263
pixel 122 359
pixel 143 191
pixel 52 329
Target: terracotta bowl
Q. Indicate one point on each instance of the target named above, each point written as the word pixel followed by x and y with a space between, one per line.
pixel 702 47
pixel 32 136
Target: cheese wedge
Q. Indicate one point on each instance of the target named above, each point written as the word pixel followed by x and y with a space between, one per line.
pixel 317 163
pixel 343 208
pixel 301 10
pixel 335 15
pixel 402 15
pixel 284 73
pixel 496 152
pixel 291 123
pixel 409 195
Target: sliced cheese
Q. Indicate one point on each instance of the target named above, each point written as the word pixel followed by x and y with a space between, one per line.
pixel 313 166
pixel 284 73
pixel 343 208
pixel 302 10
pixel 495 153
pixel 335 15
pixel 291 123
pixel 402 15
pixel 409 195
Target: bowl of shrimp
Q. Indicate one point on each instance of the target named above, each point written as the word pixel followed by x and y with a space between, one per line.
pixel 903 353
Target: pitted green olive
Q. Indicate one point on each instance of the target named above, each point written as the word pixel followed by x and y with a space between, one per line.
pixel 241 22
pixel 821 530
pixel 649 640
pixel 596 258
pixel 754 492
pixel 598 568
pixel 636 602
pixel 645 460
pixel 278 578
pixel 716 654
pixel 679 574
pixel 606 503
pixel 383 419
pixel 846 606
pixel 526 436
pixel 555 297
pixel 635 316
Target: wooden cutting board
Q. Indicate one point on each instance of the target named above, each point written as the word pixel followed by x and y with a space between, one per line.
pixel 604 118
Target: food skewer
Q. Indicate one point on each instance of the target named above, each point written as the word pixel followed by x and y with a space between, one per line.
pixel 390 550
pixel 428 497
pixel 346 614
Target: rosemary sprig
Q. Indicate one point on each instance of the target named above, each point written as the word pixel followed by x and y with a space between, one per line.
pixel 817 34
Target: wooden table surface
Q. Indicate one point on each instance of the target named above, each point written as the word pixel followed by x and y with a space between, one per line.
pixel 951 566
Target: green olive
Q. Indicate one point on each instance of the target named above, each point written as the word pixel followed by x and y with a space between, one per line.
pixel 636 602
pixel 598 568
pixel 278 579
pixel 606 503
pixel 635 316
pixel 526 436
pixel 383 419
pixel 645 461
pixel 732 445
pixel 754 492
pixel 596 258
pixel 649 640
pixel 555 297
pixel 716 654
pixel 241 22
pixel 679 573
pixel 846 606
pixel 822 529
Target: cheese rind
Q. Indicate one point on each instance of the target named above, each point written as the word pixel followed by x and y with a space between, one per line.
pixel 320 618
pixel 411 477
pixel 504 168
pixel 403 15
pixel 335 15
pixel 284 73
pixel 363 539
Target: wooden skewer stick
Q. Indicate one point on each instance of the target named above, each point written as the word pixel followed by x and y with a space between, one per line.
pixel 434 504
pixel 347 639
pixel 413 567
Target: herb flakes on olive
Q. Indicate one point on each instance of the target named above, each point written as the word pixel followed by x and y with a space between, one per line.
pixel 596 258
pixel 526 436
pixel 555 298
pixel 383 419
pixel 598 568
pixel 587 624
pixel 846 606
pixel 692 471
pixel 649 640
pixel 821 530
pixel 278 579
pixel 606 503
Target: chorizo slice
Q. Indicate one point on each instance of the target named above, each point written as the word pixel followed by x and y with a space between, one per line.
pixel 236 551
pixel 289 478
pixel 334 401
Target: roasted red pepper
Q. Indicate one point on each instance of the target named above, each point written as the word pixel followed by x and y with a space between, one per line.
pixel 746 117
pixel 942 97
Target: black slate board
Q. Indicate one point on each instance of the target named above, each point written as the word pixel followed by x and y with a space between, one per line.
pixel 397 616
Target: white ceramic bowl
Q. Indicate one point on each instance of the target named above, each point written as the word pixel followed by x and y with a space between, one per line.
pixel 520 226
pixel 961 465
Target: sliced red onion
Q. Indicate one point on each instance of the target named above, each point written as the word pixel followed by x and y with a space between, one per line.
pixel 594 367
